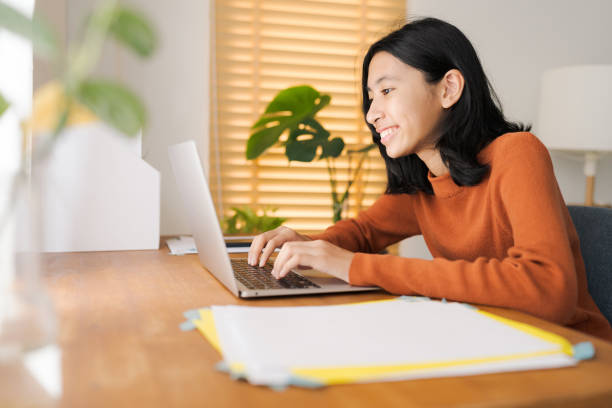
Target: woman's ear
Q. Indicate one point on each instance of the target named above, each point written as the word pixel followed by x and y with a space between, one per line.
pixel 451 87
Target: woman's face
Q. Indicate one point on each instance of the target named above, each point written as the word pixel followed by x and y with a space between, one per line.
pixel 404 109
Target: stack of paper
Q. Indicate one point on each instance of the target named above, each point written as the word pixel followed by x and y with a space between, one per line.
pixel 182 245
pixel 186 245
pixel 403 338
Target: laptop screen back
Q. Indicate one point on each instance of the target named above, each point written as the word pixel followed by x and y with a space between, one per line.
pixel 200 212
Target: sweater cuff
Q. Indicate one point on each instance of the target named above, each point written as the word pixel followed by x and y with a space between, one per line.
pixel 323 237
pixel 359 273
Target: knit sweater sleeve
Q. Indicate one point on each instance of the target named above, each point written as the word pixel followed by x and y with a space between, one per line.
pixel 389 220
pixel 537 274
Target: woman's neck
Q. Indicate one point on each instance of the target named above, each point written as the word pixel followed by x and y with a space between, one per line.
pixel 433 161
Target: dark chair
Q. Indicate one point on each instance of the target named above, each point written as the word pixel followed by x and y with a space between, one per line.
pixel 594 227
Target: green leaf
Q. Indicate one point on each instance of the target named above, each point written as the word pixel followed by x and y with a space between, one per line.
pixel 317 128
pixel 113 104
pixel 268 223
pixel 44 39
pixel 133 30
pixel 323 102
pixel 248 217
pixel 297 99
pixel 289 109
pixel 301 150
pixel 261 140
pixel 246 221
pixel 294 134
pixel 271 118
pixel 3 104
pixel 304 149
pixel 333 148
pixel 230 224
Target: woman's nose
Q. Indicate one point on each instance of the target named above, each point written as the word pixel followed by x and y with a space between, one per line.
pixel 373 114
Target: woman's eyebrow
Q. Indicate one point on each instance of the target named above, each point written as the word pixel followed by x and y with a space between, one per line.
pixel 382 78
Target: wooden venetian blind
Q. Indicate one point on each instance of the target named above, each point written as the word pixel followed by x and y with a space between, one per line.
pixel 264 46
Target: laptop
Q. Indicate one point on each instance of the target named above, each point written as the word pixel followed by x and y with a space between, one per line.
pixel 236 274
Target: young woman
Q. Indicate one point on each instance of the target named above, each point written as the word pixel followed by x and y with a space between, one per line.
pixel 480 189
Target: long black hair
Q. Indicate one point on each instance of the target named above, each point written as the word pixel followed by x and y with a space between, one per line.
pixel 434 47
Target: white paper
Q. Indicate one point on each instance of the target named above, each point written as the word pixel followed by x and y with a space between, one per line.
pixel 376 334
pixel 45 365
pixel 186 245
pixel 534 363
pixel 182 245
pixel 237 250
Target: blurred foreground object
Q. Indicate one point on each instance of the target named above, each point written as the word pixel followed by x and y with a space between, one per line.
pixel 31 177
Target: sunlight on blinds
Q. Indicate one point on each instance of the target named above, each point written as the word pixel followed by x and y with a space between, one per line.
pixel 264 46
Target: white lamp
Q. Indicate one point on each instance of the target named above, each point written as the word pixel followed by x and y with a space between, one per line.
pixel 575 114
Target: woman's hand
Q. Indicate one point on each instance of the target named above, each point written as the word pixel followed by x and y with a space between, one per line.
pixel 319 254
pixel 269 241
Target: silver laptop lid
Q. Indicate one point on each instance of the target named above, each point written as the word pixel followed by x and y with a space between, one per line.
pixel 200 212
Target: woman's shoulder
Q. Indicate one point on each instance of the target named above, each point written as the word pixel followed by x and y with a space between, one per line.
pixel 514 147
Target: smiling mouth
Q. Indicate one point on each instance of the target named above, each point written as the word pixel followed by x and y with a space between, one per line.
pixel 387 134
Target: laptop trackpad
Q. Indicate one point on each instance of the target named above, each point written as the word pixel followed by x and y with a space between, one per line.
pixel 321 278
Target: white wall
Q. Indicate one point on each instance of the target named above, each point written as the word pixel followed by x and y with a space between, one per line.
pixel 175 86
pixel 174 83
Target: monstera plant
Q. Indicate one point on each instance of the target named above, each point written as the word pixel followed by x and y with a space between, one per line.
pixel 292 112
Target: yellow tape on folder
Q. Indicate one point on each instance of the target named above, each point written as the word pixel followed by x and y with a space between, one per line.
pixel 565 346
pixel 206 325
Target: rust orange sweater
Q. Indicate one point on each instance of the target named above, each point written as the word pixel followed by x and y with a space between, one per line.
pixel 508 241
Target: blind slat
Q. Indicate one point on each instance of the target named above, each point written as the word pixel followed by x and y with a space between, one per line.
pixel 264 46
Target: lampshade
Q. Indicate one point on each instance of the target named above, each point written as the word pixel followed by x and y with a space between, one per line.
pixel 575 109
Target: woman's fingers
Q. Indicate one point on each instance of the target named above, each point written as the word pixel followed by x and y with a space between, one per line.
pixel 267 250
pixel 268 242
pixel 259 243
pixel 320 255
pixel 255 249
pixel 294 255
pixel 292 263
pixel 287 259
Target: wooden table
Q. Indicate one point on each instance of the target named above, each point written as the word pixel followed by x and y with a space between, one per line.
pixel 119 316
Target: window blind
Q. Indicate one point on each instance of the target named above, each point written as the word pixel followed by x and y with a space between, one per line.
pixel 264 46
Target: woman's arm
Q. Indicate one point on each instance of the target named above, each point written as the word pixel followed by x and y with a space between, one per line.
pixel 389 220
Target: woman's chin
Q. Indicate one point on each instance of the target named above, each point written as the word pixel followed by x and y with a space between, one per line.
pixel 390 154
pixel 393 153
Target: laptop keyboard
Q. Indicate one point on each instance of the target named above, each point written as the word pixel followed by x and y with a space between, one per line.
pixel 254 277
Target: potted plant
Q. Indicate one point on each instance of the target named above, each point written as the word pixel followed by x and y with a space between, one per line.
pixel 246 220
pixel 292 112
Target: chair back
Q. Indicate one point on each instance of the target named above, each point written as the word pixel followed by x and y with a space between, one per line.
pixel 594 227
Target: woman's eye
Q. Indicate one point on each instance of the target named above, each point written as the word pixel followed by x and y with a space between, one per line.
pixel 386 91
